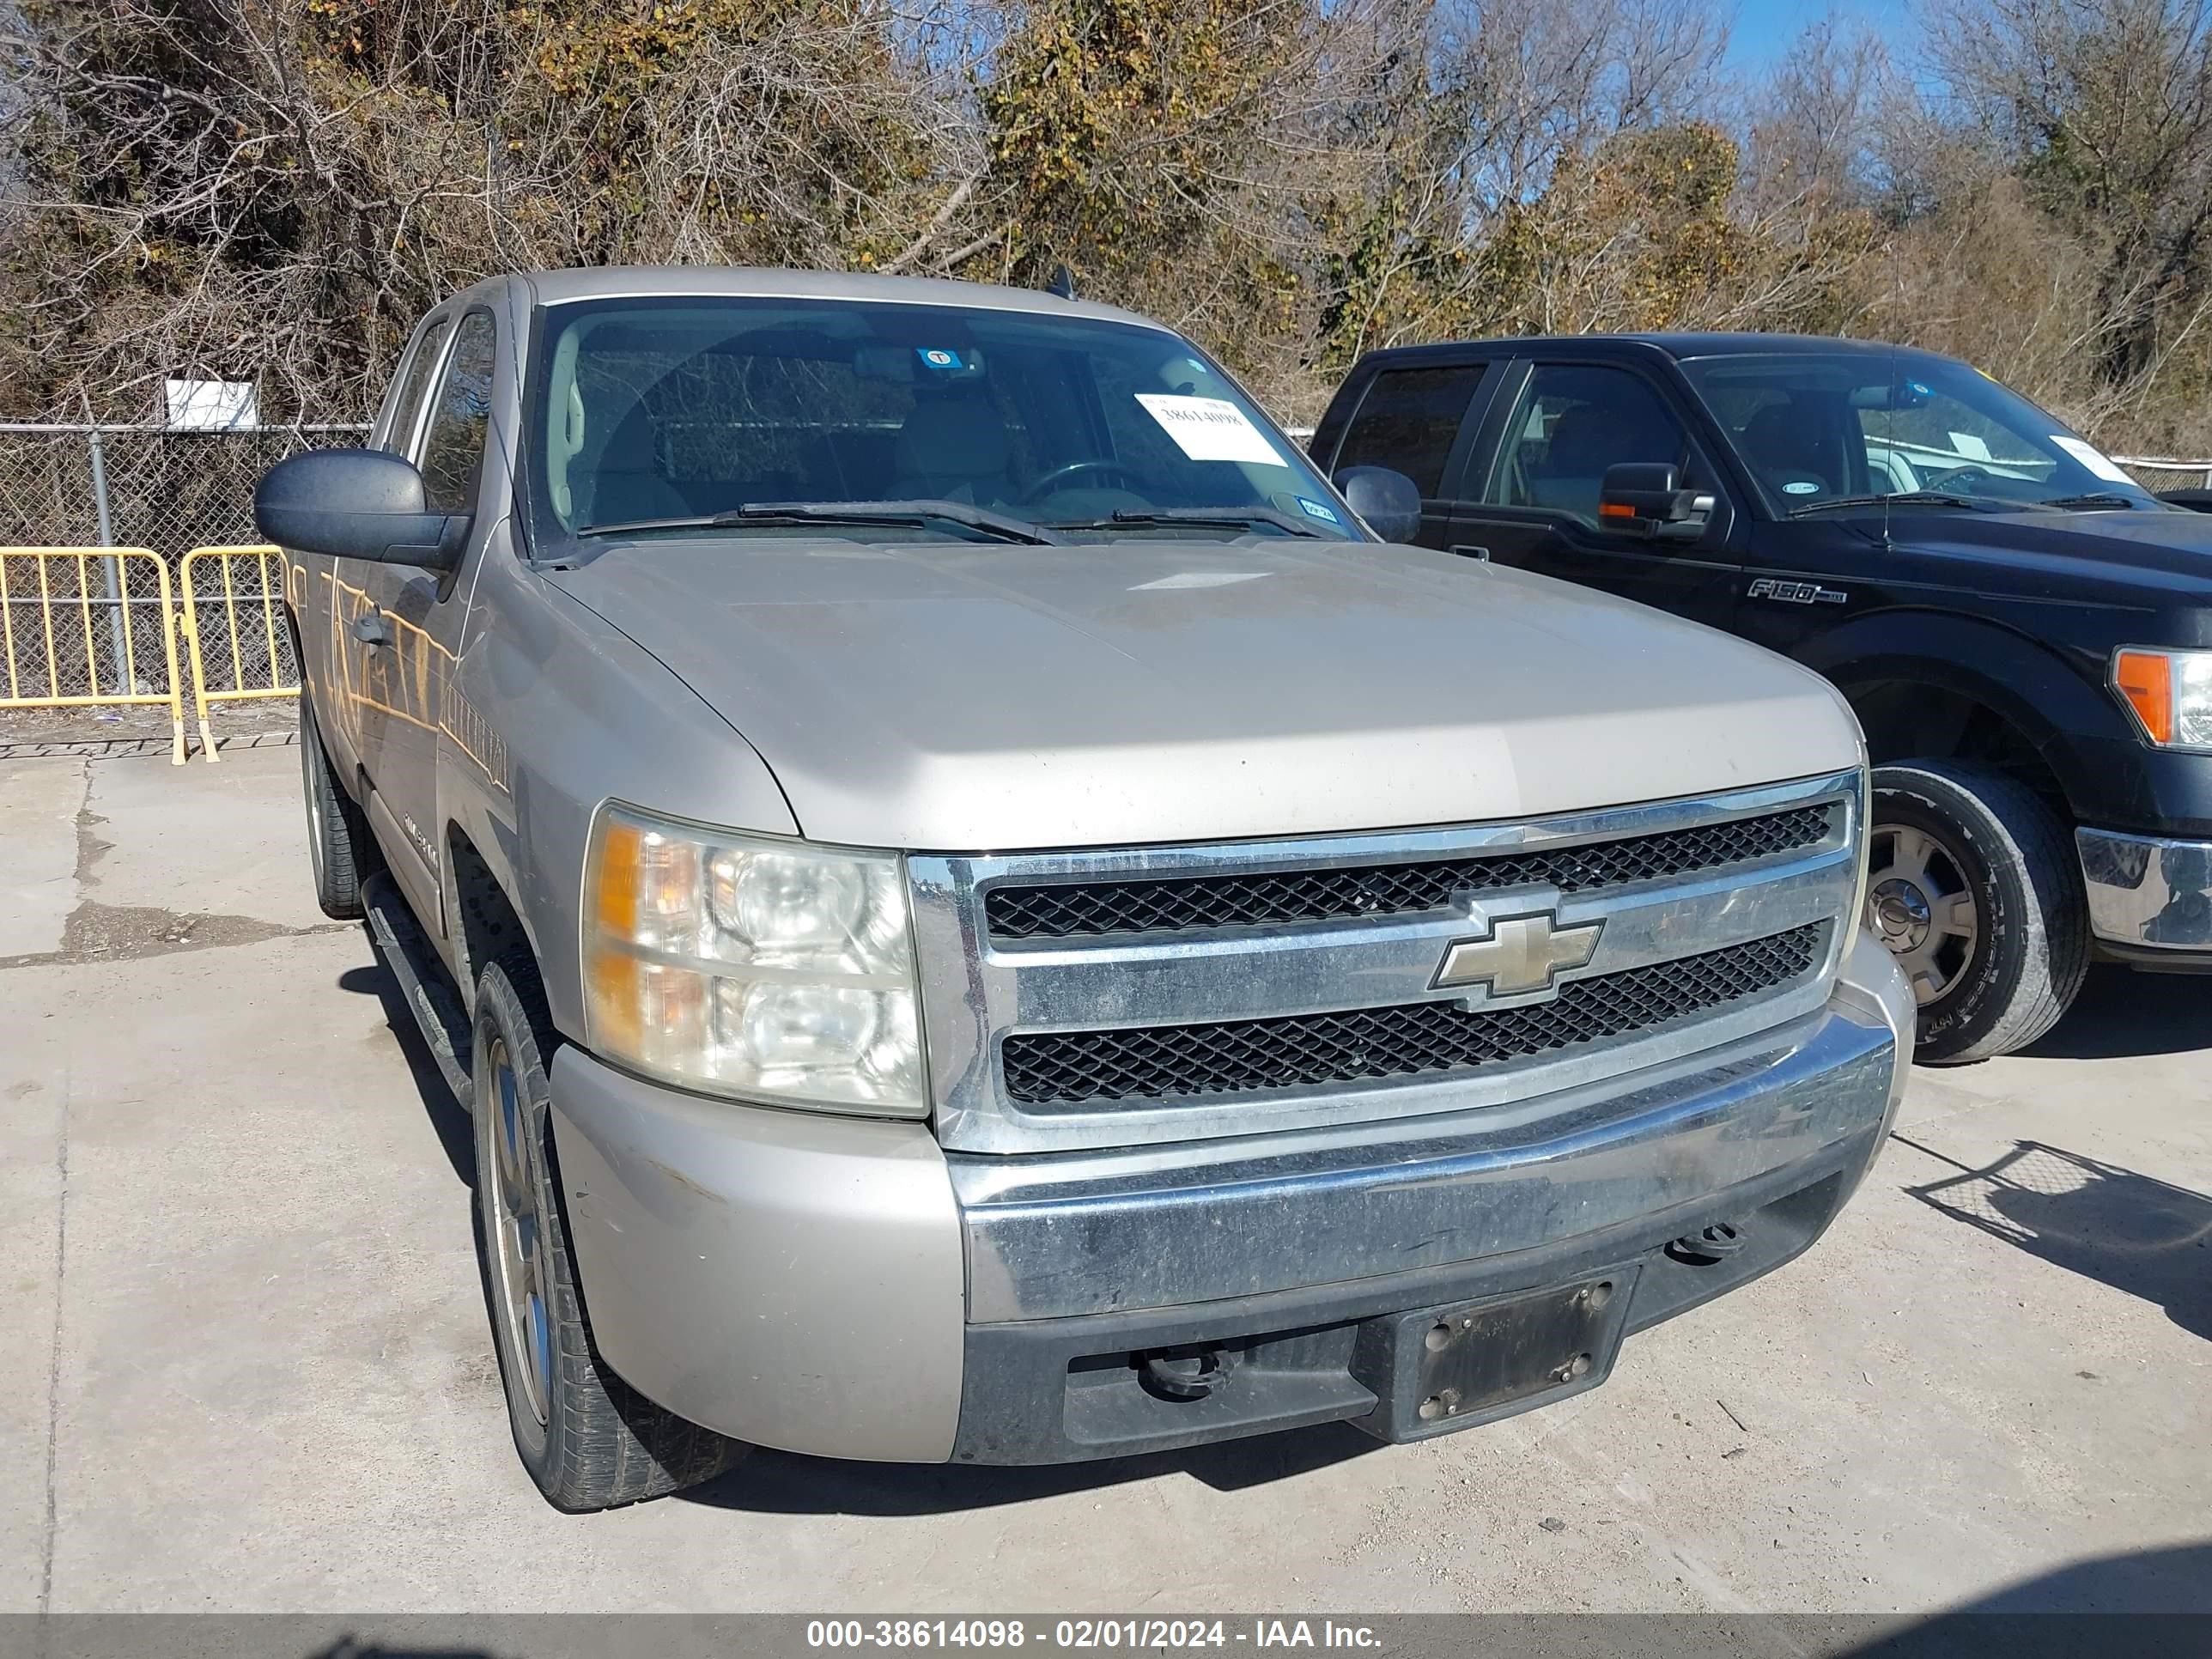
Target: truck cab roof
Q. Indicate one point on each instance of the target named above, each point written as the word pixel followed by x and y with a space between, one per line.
pixel 568 286
pixel 1678 345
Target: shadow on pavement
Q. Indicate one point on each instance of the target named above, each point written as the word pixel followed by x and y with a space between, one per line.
pixel 2133 1232
pixel 780 1483
pixel 2164 1593
pixel 449 1119
pixel 2122 1012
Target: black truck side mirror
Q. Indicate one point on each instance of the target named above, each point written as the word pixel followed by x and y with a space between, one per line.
pixel 356 504
pixel 1389 502
pixel 1643 498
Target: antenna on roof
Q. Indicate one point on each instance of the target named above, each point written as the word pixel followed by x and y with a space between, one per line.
pixel 1062 283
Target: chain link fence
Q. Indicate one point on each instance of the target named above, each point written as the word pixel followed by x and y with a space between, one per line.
pixel 77 626
pixel 141 486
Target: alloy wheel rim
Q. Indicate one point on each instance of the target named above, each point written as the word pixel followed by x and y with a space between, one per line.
pixel 1920 906
pixel 519 1237
pixel 316 827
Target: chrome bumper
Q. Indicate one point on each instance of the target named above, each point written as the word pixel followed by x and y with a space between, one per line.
pixel 2147 893
pixel 842 1287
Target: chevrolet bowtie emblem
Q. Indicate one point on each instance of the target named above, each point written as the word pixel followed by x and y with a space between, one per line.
pixel 1520 954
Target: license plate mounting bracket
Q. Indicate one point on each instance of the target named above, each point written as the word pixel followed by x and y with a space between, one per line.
pixel 1436 1369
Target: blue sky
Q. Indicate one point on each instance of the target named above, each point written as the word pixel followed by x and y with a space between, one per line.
pixel 1764 29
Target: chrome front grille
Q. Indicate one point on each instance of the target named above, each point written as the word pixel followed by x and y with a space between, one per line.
pixel 1124 996
pixel 1060 1070
pixel 1076 910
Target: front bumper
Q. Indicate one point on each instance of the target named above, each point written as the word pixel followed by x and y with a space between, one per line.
pixel 2149 899
pixel 840 1286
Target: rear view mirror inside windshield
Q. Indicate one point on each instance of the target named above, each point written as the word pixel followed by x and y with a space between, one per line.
pixel 923 365
pixel 1899 394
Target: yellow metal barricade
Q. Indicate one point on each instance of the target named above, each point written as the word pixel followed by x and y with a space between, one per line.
pixel 234 628
pixel 87 627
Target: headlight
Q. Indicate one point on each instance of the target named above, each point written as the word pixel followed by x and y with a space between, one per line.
pixel 2169 693
pixel 771 969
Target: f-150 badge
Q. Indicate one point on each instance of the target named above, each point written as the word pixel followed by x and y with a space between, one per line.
pixel 1796 592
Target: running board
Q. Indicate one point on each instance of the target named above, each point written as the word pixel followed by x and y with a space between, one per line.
pixel 423 981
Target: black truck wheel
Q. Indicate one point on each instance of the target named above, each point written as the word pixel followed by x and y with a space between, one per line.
pixel 339 846
pixel 589 1440
pixel 1973 886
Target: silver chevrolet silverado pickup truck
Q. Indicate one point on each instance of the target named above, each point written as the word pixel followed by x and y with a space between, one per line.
pixel 986 912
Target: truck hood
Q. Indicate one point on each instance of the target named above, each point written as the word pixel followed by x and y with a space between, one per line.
pixel 2161 554
pixel 957 697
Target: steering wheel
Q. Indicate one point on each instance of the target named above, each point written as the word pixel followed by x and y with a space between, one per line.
pixel 1055 478
pixel 1958 477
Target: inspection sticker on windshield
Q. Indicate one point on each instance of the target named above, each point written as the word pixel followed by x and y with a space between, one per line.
pixel 1209 428
pixel 2091 457
pixel 1316 510
pixel 938 356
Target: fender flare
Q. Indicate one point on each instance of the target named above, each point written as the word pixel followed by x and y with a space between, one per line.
pixel 2024 682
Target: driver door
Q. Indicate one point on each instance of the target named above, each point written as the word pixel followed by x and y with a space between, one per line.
pixel 352 664
pixel 410 626
pixel 1565 423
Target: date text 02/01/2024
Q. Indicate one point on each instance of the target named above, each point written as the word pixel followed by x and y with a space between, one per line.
pixel 1085 1633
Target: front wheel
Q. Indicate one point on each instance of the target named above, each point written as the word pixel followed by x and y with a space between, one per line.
pixel 339 850
pixel 1973 886
pixel 589 1440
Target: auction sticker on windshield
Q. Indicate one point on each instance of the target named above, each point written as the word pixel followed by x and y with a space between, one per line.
pixel 1209 428
pixel 2091 457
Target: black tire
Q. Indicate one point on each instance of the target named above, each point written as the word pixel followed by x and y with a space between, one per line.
pixel 2032 944
pixel 339 849
pixel 600 1444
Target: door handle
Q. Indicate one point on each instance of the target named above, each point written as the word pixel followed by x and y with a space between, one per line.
pixel 1466 550
pixel 370 630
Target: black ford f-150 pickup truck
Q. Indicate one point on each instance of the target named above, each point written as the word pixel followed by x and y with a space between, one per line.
pixel 2024 633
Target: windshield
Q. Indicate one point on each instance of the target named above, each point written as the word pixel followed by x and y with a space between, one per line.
pixel 657 411
pixel 1845 427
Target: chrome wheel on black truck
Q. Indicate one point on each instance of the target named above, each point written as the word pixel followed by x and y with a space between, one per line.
pixel 1973 886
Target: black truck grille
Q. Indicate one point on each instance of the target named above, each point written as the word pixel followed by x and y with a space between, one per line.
pixel 1077 909
pixel 1159 1062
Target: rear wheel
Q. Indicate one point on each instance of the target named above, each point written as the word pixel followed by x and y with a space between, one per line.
pixel 589 1440
pixel 1972 885
pixel 339 846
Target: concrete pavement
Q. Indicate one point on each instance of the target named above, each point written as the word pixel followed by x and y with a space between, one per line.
pixel 243 1361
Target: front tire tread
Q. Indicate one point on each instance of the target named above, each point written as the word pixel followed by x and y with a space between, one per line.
pixel 2038 939
pixel 605 1444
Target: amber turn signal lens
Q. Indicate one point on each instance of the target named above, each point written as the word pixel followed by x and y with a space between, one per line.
pixel 617 1024
pixel 622 846
pixel 2145 678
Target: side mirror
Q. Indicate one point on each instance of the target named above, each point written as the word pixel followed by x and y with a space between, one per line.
pixel 1644 499
pixel 1389 502
pixel 356 504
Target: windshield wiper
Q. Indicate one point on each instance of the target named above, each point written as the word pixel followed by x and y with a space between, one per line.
pixel 626 526
pixel 1905 498
pixel 1003 527
pixel 2095 502
pixel 1224 518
